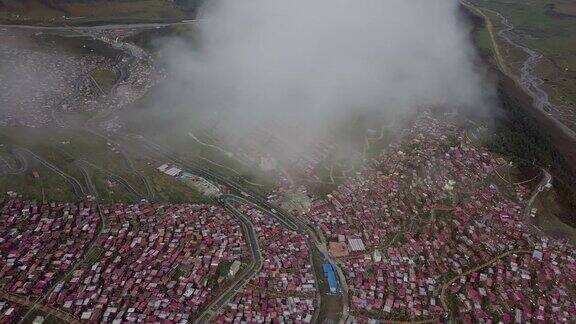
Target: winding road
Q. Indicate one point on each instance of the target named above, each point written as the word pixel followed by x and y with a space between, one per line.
pixel 21 165
pixel 258 261
pixel 75 184
pixel 544 183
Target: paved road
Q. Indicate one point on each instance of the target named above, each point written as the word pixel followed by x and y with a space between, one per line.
pixel 257 262
pixel 21 165
pixel 88 179
pixel 546 180
pixel 75 184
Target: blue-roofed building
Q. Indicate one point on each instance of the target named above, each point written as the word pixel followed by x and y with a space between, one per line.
pixel 331 277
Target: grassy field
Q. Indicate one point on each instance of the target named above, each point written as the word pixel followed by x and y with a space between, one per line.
pixel 49 187
pixel 27 10
pixel 548 217
pixel 563 7
pixel 483 42
pixel 140 9
pixel 43 11
pixel 104 77
pixel 552 35
pixel 64 148
pixel 20 41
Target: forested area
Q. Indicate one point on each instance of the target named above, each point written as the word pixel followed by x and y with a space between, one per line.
pixel 521 137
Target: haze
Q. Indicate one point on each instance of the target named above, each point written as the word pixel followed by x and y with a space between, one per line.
pixel 307 64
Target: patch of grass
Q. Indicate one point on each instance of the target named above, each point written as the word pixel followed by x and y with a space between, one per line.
pixel 550 34
pixel 55 187
pixel 444 214
pixel 19 41
pixel 549 217
pixel 565 7
pixel 23 10
pixel 320 190
pixel 85 11
pixel 483 41
pixel 224 268
pixel 94 255
pixel 115 193
pixel 104 77
pixel 139 9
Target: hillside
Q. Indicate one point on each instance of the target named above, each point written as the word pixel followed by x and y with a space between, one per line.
pixel 94 11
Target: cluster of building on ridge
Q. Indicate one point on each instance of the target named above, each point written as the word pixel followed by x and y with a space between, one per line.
pixel 40 79
pixel 36 82
pixel 438 238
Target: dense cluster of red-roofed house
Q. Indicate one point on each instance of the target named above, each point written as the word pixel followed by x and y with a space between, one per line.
pixel 159 262
pixel 421 233
pixel 150 262
pixel 285 289
pixel 8 311
pixel 425 213
pixel 40 242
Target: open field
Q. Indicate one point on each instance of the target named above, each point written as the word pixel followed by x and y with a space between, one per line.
pixel 73 150
pixel 48 12
pixel 563 7
pixel 104 77
pixel 551 35
pixel 140 9
pixel 49 187
pixel 549 212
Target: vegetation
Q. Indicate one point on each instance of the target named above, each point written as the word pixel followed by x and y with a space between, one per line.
pixel 483 41
pixel 546 31
pixel 86 11
pixel 521 138
pixel 104 77
pixel 66 148
pixel 519 135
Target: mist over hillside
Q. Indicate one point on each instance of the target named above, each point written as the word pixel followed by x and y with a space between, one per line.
pixel 309 64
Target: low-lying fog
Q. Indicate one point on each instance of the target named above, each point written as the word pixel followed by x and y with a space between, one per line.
pixel 297 67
